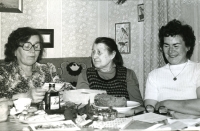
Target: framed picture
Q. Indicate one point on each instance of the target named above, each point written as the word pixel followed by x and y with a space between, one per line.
pixel 12 6
pixel 140 12
pixel 48 37
pixel 122 37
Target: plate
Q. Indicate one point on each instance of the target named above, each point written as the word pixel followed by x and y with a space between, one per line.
pixel 55 126
pixel 43 118
pixel 130 105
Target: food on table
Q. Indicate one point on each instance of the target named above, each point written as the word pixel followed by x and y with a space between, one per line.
pixel 70 110
pixel 106 114
pixel 32 109
pixel 70 113
pixel 55 126
pixel 106 100
pixel 50 126
pixel 68 104
pixel 42 118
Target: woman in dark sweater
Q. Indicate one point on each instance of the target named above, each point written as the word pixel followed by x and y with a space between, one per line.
pixel 109 73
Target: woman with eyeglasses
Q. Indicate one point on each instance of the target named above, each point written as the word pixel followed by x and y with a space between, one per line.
pixel 21 75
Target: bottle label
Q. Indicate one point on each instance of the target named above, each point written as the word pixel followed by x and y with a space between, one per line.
pixel 54 102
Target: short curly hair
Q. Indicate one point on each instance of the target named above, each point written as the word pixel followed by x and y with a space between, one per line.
pixel 19 35
pixel 175 27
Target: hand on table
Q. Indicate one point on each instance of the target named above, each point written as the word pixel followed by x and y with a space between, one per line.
pixel 37 94
pixel 133 111
pixel 159 104
pixel 178 115
pixel 5 100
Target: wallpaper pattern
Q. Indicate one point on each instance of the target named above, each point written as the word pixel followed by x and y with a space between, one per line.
pixel 79 27
pixel 128 13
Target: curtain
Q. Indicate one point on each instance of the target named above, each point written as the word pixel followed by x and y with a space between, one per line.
pixel 158 13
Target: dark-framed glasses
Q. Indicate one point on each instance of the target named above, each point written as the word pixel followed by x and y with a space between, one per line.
pixel 161 110
pixel 28 45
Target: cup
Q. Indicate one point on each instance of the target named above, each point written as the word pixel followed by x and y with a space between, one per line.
pixel 4 112
pixel 22 104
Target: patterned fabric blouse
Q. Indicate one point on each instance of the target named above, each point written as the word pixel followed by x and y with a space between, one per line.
pixel 116 86
pixel 13 80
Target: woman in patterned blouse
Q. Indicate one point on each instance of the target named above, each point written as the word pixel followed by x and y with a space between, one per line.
pixel 21 75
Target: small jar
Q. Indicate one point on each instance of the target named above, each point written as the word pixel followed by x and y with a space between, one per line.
pixel 52 98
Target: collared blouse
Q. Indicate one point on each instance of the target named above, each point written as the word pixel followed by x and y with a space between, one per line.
pixel 14 81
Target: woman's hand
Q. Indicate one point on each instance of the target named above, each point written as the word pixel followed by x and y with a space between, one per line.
pixel 159 104
pixel 36 94
pixel 178 115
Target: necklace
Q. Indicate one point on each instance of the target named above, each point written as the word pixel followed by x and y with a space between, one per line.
pixel 175 77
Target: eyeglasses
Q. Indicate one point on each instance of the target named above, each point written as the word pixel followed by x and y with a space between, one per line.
pixel 28 45
pixel 161 110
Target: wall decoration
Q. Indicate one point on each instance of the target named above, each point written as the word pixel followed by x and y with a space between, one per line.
pixel 11 6
pixel 140 12
pixel 48 37
pixel 122 37
pixel 119 2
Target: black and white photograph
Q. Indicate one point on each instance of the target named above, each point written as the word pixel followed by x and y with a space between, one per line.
pixel 122 37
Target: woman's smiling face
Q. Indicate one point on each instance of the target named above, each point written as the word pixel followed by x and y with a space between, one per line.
pixel 175 50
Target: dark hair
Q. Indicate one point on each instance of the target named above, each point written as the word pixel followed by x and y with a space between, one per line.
pixel 19 35
pixel 112 46
pixel 174 28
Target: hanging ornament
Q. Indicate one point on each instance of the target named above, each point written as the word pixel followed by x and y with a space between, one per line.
pixel 119 2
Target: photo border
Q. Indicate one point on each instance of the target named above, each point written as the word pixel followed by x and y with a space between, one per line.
pixel 48 32
pixel 140 9
pixel 123 37
pixel 19 9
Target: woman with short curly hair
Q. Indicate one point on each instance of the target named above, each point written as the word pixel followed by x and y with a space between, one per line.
pixel 175 86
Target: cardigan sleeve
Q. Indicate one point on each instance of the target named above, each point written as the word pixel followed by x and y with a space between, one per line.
pixel 82 82
pixel 133 87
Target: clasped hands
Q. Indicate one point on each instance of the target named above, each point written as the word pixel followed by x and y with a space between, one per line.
pixel 175 114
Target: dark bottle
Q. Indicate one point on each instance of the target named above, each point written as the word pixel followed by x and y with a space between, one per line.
pixel 52 98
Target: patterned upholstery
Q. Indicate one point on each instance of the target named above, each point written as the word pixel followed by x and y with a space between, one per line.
pixel 69 67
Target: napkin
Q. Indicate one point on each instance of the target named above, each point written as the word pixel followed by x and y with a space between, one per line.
pixel 150 117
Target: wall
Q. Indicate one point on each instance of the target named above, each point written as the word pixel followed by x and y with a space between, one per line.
pixel 76 24
pixel 128 13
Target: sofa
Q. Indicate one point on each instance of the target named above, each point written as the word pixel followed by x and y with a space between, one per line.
pixel 68 68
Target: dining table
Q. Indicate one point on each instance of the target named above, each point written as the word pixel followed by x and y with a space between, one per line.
pixel 13 124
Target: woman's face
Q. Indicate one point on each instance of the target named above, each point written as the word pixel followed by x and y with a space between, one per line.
pixel 175 50
pixel 101 58
pixel 28 58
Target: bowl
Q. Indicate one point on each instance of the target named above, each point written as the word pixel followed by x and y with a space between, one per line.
pixel 81 96
pixel 130 105
pixel 58 86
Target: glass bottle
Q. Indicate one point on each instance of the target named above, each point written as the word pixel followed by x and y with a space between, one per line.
pixel 52 98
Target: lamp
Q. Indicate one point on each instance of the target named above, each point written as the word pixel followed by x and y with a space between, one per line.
pixel 119 2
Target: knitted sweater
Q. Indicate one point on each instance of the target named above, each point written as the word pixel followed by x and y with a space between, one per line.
pixel 116 86
pixel 161 86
